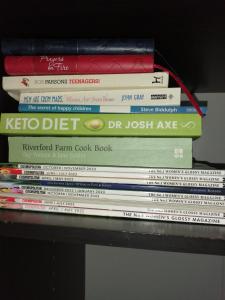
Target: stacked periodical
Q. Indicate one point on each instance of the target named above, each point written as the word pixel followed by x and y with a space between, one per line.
pixel 114 141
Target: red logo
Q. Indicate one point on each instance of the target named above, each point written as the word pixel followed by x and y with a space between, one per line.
pixel 25 81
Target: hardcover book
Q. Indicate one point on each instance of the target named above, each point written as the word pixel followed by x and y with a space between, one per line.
pixel 113 151
pixel 158 125
pixel 21 46
pixel 78 64
pixel 15 85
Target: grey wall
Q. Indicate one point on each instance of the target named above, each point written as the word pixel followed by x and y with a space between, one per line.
pixel 211 145
pixel 129 274
pixel 122 274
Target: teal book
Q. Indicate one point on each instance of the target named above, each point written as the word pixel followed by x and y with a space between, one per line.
pixel 105 151
pixel 158 125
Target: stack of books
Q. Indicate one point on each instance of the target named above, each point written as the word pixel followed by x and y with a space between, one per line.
pixel 99 133
pixel 177 195
pixel 127 116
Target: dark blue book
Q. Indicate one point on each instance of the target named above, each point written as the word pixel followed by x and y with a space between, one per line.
pixel 122 186
pixel 22 46
pixel 137 187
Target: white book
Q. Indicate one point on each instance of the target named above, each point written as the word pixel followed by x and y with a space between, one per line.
pixel 65 179
pixel 132 174
pixel 114 213
pixel 15 85
pixel 141 206
pixel 84 168
pixel 69 197
pixel 136 97
pixel 175 213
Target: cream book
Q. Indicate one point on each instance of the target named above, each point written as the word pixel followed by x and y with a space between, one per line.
pixel 15 85
pixel 122 97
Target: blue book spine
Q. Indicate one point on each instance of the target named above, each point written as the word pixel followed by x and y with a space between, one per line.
pixel 133 187
pixel 167 109
pixel 62 108
pixel 55 108
pixel 22 46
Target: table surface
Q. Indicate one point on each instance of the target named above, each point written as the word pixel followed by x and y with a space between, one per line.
pixel 154 235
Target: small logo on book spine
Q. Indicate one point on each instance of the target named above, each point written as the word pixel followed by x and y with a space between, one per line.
pixel 157 79
pixel 25 81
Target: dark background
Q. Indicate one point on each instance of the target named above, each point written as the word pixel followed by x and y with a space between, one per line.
pixel 189 34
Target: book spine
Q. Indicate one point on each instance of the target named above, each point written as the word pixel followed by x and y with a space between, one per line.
pixel 70 196
pixel 170 125
pixel 78 64
pixel 83 168
pixel 61 108
pixel 21 188
pixel 20 46
pixel 199 211
pixel 116 180
pixel 103 151
pixel 114 213
pixel 132 175
pixel 17 84
pixel 127 186
pixel 137 97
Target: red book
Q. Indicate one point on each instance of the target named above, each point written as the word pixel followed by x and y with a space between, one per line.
pixel 78 64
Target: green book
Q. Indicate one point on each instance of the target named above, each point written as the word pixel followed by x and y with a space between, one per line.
pixel 175 125
pixel 111 151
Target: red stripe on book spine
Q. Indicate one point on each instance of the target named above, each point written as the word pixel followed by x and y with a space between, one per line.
pixel 183 87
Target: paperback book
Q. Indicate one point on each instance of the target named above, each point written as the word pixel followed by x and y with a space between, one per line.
pixel 174 213
pixel 134 97
pixel 7 171
pixel 126 186
pixel 15 85
pixel 202 170
pixel 122 195
pixel 19 187
pixel 62 108
pixel 105 151
pixel 111 180
pixel 158 125
pixel 218 212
